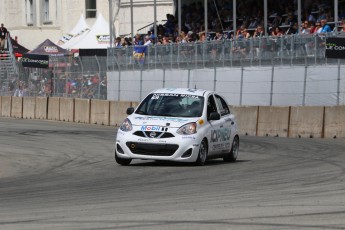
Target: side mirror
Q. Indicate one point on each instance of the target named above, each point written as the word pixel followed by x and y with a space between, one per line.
pixel 130 110
pixel 214 116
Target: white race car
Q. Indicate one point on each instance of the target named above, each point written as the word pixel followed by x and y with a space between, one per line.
pixel 178 124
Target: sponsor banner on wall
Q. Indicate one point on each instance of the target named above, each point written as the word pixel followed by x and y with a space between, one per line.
pixel 35 60
pixel 335 48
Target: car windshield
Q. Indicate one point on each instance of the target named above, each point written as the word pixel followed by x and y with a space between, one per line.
pixel 171 105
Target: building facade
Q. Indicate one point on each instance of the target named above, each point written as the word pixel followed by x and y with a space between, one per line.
pixel 33 21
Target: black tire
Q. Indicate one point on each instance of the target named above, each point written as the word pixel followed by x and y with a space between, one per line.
pixel 232 155
pixel 202 155
pixel 122 161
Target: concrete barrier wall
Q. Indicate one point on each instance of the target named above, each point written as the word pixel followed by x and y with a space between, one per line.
pixel 273 121
pixel 310 121
pixel 54 108
pixel 82 110
pixel 306 121
pixel 17 107
pixel 29 107
pixel 67 109
pixel 41 107
pixel 100 112
pixel 334 122
pixel 6 103
pixel 118 112
pixel 247 119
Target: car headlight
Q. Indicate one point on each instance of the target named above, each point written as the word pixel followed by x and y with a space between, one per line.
pixel 126 125
pixel 187 129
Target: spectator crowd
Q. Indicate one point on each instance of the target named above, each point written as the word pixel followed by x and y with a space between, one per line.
pixel 282 20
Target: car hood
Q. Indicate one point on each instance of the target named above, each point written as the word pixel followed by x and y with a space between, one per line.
pixel 139 120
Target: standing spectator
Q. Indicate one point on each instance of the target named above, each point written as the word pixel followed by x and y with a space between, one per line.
pixel 3 36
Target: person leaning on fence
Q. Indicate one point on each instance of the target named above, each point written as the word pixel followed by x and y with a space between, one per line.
pixel 3 36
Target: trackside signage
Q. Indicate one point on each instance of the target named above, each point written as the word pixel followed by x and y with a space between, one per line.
pixel 35 61
pixel 335 48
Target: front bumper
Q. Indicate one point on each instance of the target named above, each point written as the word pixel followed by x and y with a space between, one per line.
pixel 179 148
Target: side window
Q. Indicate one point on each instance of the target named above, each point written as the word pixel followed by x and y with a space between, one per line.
pixel 211 105
pixel 224 108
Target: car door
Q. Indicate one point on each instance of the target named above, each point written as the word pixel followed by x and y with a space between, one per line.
pixel 225 125
pixel 213 132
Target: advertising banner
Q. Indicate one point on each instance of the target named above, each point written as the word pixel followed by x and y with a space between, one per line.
pixel 35 60
pixel 335 48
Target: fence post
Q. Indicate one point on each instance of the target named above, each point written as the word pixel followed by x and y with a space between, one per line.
pixel 338 84
pixel 99 78
pixel 119 88
pixel 82 74
pixel 272 82
pixel 241 89
pixel 215 79
pixel 305 84
pixel 141 84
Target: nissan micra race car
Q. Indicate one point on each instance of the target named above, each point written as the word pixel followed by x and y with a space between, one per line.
pixel 180 124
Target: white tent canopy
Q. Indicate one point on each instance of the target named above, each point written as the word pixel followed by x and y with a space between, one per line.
pixel 80 28
pixel 97 38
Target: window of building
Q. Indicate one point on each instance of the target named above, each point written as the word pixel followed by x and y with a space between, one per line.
pixel 29 6
pixel 91 10
pixel 46 11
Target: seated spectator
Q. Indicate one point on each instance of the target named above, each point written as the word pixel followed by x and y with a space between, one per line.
pixel 311 27
pixel 276 32
pixel 318 27
pixel 218 36
pixel 304 28
pixel 325 28
pixel 118 43
pixel 126 42
pixel 342 29
pixel 259 32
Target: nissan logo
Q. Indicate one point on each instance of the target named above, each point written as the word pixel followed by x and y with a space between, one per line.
pixel 152 134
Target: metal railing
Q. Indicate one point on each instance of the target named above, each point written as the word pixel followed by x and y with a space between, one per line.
pixel 262 51
pixel 81 77
pixel 85 77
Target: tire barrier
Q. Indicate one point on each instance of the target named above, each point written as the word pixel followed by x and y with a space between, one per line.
pixel 289 121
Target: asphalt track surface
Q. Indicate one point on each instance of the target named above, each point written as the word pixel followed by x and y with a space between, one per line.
pixel 56 175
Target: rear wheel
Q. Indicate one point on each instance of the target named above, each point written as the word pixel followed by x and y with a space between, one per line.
pixel 202 155
pixel 232 155
pixel 122 161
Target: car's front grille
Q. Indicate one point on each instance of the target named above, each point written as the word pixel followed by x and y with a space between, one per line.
pixel 151 134
pixel 152 149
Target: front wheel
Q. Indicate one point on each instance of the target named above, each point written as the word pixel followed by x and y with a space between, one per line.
pixel 202 155
pixel 122 161
pixel 232 155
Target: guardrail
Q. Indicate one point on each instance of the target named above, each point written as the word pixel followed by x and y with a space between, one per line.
pixel 289 121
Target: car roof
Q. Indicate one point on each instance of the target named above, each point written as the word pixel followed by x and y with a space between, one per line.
pixel 189 91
